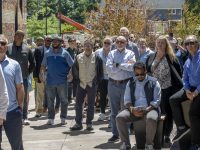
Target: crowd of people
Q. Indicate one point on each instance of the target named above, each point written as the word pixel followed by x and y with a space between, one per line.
pixel 135 80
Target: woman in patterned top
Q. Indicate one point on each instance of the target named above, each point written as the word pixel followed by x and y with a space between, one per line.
pixel 164 66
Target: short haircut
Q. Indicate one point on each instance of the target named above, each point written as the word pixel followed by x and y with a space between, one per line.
pixel 139 65
pixel 3 38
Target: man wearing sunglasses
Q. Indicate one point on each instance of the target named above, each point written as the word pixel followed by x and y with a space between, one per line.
pixel 190 91
pixel 14 81
pixel 142 99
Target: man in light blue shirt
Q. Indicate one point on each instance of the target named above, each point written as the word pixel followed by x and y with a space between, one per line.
pixel 142 99
pixel 119 67
pixel 14 81
pixel 190 91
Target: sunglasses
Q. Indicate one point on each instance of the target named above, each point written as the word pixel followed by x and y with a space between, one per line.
pixel 49 40
pixel 120 42
pixel 107 43
pixel 2 43
pixel 142 74
pixel 190 43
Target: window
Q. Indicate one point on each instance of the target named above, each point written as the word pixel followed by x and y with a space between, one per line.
pixel 172 11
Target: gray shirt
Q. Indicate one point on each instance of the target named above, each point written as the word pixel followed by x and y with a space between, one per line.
pixel 3 96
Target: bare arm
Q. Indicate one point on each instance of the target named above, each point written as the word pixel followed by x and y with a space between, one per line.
pixel 20 94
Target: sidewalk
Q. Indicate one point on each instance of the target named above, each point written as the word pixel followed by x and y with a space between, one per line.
pixel 39 136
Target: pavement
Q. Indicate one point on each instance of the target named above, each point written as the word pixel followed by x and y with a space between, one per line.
pixel 39 136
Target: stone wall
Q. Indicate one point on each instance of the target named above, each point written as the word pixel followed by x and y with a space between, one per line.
pixel 10 9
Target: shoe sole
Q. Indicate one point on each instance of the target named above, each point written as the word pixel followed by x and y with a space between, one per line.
pixel 182 135
pixel 113 141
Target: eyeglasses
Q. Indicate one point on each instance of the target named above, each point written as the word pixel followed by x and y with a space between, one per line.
pixel 49 40
pixel 142 74
pixel 190 43
pixel 2 43
pixel 120 42
pixel 107 43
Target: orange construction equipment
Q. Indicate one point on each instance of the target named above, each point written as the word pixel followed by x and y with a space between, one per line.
pixel 71 22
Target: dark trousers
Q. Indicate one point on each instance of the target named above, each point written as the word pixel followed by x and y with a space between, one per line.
pixel 166 109
pixel 70 90
pixel 13 129
pixel 80 95
pixel 25 102
pixel 194 114
pixel 103 90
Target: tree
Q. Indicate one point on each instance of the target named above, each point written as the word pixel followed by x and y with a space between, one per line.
pixel 117 13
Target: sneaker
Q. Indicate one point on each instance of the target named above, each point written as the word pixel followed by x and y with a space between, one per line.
pixel 113 139
pixel 76 127
pixel 102 117
pixel 180 134
pixel 149 147
pixel 63 121
pixel 38 115
pixel 25 122
pixel 89 127
pixel 125 146
pixel 50 121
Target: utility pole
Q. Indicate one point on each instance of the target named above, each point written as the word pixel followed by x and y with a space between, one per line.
pixel 59 9
pixel 46 19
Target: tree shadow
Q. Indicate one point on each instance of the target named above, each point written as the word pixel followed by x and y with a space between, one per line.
pixel 109 146
pixel 75 133
pixel 36 119
pixel 46 126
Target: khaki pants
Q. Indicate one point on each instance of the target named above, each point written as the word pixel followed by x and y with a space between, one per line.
pixel 39 97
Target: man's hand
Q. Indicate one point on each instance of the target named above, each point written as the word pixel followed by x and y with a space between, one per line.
pixel 149 108
pixel 1 121
pixel 189 95
pixel 194 94
pixel 138 113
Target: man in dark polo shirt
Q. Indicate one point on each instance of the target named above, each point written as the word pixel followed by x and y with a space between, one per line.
pixel 24 56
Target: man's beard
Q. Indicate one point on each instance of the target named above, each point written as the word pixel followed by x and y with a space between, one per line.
pixel 56 47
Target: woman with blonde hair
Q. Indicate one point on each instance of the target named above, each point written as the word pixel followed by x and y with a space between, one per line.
pixel 164 66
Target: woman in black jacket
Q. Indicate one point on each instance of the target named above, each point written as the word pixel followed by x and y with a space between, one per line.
pixel 164 66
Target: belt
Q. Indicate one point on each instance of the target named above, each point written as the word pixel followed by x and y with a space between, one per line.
pixel 119 81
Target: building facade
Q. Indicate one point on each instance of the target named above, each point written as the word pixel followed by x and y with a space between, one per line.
pixel 13 17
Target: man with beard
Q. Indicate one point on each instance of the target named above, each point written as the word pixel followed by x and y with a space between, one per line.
pixel 57 61
pixel 142 99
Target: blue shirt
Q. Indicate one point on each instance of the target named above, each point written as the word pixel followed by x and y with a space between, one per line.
pixel 126 60
pixel 58 65
pixel 100 52
pixel 191 72
pixel 13 75
pixel 143 57
pixel 140 95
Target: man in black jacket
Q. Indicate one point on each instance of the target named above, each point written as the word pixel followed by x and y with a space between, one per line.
pixel 24 56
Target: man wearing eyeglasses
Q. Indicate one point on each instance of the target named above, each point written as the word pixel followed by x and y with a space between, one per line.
pixel 119 67
pixel 41 100
pixel 14 81
pixel 190 91
pixel 142 99
pixel 103 85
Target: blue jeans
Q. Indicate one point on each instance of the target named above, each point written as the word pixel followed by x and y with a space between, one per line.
pixel 61 91
pixel 116 95
pixel 13 129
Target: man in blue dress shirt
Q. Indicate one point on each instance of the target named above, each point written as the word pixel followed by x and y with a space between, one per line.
pixel 190 91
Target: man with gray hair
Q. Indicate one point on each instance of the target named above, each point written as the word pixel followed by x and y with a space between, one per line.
pixel 129 45
pixel 119 67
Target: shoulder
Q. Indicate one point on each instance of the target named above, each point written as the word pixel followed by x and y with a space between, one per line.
pixel 129 52
pixel 13 62
pixel 152 79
